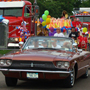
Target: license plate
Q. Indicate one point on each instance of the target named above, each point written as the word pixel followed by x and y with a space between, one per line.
pixel 32 75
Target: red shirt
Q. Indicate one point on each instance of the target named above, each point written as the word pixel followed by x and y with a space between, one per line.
pixel 74 23
pixel 79 40
pixel 84 42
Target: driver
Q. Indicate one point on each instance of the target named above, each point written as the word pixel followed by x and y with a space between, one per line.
pixel 67 45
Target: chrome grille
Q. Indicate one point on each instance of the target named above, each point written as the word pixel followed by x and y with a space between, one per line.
pixel 3 35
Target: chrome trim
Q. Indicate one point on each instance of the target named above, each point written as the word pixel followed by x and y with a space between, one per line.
pixel 83 67
pixel 43 71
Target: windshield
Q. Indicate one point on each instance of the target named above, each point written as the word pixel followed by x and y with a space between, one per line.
pixel 84 18
pixel 11 11
pixel 48 43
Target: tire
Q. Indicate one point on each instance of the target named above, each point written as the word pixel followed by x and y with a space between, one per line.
pixel 10 82
pixel 69 82
pixel 86 74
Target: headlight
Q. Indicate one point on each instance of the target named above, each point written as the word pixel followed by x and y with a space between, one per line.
pixel 2 62
pixel 8 62
pixel 62 64
pixel 16 39
pixel 5 62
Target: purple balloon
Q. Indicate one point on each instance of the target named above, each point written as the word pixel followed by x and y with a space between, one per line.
pixel 41 20
pixel 51 29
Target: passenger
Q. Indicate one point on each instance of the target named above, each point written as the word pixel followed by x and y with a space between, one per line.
pixel 55 45
pixel 59 34
pixel 67 45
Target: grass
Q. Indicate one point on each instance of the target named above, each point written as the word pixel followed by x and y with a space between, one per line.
pixel 4 51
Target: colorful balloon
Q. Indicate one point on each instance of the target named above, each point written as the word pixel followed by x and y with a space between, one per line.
pixel 44 23
pixel 48 16
pixel 41 20
pixel 51 29
pixel 84 29
pixel 46 12
pixel 48 21
pixel 44 17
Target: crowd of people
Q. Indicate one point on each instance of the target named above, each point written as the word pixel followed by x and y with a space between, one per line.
pixel 82 39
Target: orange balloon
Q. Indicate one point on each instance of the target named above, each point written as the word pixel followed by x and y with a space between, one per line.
pixel 48 16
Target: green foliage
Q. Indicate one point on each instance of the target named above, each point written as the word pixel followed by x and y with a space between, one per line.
pixel 4 51
pixel 56 7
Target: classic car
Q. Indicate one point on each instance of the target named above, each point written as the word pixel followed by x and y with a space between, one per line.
pixel 49 58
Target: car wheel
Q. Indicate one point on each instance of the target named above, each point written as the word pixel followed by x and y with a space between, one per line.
pixel 69 82
pixel 11 81
pixel 86 74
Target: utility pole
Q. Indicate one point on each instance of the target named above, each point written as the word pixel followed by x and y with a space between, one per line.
pixel 35 16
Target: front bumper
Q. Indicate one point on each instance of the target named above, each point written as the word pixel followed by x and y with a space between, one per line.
pixel 42 74
pixel 13 44
pixel 38 71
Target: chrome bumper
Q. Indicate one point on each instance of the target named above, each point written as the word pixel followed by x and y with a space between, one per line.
pixel 43 71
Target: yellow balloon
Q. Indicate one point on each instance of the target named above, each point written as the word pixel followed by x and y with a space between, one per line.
pixel 47 21
pixel 84 29
pixel 44 23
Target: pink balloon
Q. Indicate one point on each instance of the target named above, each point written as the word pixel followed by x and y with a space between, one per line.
pixel 51 29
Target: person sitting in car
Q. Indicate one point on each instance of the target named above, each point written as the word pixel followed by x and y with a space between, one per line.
pixel 55 45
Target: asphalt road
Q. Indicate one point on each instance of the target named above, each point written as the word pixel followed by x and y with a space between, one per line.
pixel 80 84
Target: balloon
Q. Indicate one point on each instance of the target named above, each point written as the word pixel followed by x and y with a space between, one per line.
pixel 44 23
pixel 44 17
pixel 47 21
pixel 55 29
pixel 84 29
pixel 41 20
pixel 64 30
pixel 48 16
pixel 51 29
pixel 44 26
pixel 46 12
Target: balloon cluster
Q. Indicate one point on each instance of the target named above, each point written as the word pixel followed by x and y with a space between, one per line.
pixel 45 20
pixel 23 32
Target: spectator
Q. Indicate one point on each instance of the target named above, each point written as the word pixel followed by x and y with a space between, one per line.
pixel 59 34
pixel 79 40
pixel 73 34
pixel 89 38
pixel 21 45
pixel 86 34
pixel 75 23
pixel 84 42
pixel 79 24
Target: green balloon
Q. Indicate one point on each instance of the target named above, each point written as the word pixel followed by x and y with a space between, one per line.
pixel 46 12
pixel 44 17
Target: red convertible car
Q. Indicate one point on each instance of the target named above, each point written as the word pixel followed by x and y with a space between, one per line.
pixel 46 58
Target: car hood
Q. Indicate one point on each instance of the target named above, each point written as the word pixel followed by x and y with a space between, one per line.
pixel 39 55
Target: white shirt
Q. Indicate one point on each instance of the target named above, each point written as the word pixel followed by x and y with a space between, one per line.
pixel 57 46
pixel 59 35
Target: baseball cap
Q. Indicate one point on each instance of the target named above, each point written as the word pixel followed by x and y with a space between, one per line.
pixel 86 33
